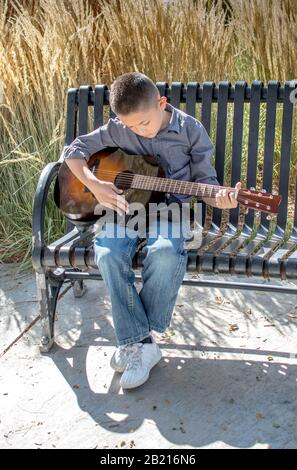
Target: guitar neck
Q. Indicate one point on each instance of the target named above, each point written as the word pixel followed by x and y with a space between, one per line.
pixel 166 185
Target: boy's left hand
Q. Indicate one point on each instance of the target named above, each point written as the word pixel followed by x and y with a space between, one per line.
pixel 225 200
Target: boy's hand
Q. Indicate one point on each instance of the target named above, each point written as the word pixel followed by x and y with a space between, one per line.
pixel 108 195
pixel 225 200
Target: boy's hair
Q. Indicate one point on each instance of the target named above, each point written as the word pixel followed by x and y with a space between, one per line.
pixel 132 92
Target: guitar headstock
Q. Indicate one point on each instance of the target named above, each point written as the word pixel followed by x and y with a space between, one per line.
pixel 259 200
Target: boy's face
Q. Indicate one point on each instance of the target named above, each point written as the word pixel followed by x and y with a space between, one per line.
pixel 146 123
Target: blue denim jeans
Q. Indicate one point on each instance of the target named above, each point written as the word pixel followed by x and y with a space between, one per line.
pixel 165 263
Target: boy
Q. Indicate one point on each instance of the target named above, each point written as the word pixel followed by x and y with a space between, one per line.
pixel 145 125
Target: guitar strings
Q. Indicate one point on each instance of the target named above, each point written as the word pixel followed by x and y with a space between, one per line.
pixel 129 178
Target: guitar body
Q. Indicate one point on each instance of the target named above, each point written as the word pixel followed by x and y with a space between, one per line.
pixel 78 203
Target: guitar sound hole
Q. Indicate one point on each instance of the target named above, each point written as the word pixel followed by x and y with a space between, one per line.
pixel 124 179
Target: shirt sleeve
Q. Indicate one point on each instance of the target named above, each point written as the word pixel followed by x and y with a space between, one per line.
pixel 86 145
pixel 202 170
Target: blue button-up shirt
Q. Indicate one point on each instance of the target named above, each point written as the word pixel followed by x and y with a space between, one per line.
pixel 183 149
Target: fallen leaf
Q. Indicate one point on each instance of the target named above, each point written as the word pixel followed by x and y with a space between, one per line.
pixel 233 327
pixel 270 358
pixel 221 300
pixel 292 315
pixel 259 416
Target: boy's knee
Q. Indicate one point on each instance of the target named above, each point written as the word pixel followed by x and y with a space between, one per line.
pixel 103 255
pixel 168 246
pixel 165 252
pixel 111 257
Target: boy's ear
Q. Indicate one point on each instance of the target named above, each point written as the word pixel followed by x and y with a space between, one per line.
pixel 163 101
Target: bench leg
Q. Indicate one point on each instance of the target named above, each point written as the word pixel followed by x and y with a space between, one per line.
pixel 79 288
pixel 47 291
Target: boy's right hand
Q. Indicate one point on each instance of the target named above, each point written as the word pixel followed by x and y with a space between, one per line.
pixel 108 195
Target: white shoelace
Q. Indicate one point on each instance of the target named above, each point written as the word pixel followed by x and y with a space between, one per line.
pixel 134 353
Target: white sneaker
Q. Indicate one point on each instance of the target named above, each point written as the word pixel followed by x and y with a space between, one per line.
pixel 142 357
pixel 119 359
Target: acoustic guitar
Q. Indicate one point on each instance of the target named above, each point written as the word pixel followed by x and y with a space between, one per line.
pixel 142 180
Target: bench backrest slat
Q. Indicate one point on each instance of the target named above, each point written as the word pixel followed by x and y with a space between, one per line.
pixel 98 105
pixel 269 144
pixel 71 120
pixel 221 140
pixel 285 157
pixel 176 94
pixel 253 141
pixel 237 136
pixel 206 100
pixel 83 108
pixel 191 98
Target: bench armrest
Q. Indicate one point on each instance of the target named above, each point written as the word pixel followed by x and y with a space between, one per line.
pixel 47 175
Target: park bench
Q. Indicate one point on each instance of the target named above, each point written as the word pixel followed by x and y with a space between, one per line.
pixel 245 245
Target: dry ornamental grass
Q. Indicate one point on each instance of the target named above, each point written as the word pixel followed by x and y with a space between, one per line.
pixel 48 46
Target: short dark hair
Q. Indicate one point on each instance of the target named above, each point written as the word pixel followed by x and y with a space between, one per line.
pixel 132 92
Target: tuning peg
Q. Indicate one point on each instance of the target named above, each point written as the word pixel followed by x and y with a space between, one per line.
pixel 268 217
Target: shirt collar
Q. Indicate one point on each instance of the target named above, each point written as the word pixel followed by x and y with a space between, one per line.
pixel 174 121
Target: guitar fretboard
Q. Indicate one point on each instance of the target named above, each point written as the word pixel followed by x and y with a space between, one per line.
pixel 166 185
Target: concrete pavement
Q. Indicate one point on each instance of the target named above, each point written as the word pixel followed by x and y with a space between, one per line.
pixel 228 376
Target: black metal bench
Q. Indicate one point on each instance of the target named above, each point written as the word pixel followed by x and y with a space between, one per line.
pixel 243 245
